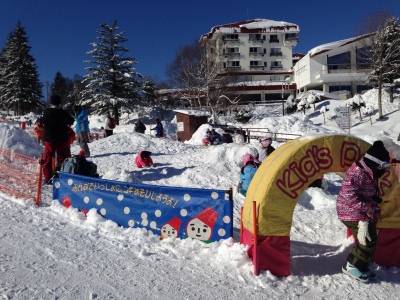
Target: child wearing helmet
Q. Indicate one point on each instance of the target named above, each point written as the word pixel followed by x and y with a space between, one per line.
pixel 247 172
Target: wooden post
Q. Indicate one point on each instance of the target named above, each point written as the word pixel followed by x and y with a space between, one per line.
pixel 39 190
pixel 255 235
pixel 241 224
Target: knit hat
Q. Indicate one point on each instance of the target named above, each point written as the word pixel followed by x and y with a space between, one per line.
pixel 55 99
pixel 377 151
pixel 266 141
pixel 145 154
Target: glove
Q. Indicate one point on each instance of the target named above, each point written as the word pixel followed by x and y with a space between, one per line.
pixel 377 199
pixel 363 233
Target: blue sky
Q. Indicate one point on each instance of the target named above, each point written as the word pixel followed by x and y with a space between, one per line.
pixel 60 31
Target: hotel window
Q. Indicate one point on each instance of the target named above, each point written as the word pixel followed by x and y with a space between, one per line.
pixel 276 64
pixel 255 63
pixel 273 38
pixel 275 78
pixel 339 62
pixel 232 50
pixel 276 51
pixel 291 36
pixel 231 37
pixel 254 50
pixel 253 36
pixel 362 59
pixel 233 63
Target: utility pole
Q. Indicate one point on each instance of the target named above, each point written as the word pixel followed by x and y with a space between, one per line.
pixel 47 90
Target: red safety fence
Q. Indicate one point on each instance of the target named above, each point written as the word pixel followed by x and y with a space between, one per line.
pixel 20 175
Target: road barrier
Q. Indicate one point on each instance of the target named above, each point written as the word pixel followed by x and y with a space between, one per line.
pixel 20 175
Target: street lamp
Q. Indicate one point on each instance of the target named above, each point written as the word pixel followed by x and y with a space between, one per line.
pixel 287 82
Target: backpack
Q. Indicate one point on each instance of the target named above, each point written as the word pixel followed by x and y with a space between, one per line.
pixel 79 165
pixel 112 123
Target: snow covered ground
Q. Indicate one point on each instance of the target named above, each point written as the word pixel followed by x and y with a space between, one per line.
pixel 51 252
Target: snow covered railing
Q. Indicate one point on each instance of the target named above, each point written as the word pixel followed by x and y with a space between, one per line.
pixel 19 175
pixel 257 133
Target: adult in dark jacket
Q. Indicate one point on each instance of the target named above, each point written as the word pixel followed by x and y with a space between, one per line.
pixel 357 207
pixel 140 127
pixel 55 121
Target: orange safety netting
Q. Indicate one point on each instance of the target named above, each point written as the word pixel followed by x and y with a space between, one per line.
pixel 19 175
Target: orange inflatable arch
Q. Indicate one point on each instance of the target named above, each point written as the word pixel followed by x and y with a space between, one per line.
pixel 282 178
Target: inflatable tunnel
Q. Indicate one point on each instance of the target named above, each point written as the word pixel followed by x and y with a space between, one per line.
pixel 281 179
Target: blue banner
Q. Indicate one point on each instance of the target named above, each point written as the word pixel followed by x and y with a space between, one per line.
pixel 206 215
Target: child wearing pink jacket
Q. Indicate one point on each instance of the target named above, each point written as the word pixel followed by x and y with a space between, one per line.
pixel 143 159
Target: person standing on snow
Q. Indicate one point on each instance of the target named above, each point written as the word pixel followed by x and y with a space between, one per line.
pixel 357 207
pixel 82 128
pixel 159 129
pixel 107 129
pixel 55 121
pixel 238 137
pixel 247 173
pixel 267 148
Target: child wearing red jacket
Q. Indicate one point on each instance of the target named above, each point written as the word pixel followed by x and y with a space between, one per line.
pixel 143 159
pixel 39 130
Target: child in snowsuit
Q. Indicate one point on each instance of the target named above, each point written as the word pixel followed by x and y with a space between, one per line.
pixel 216 138
pixel 39 130
pixel 247 173
pixel 357 207
pixel 143 159
pixel 206 141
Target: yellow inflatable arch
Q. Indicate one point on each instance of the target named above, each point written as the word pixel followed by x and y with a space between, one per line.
pixel 291 168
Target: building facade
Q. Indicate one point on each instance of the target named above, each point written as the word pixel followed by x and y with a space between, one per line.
pixel 337 68
pixel 257 55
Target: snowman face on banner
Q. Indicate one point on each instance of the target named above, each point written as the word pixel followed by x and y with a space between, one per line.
pixel 168 231
pixel 197 229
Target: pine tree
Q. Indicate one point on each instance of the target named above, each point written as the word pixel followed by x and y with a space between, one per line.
pixel 59 86
pixel 149 90
pixel 113 83
pixel 384 55
pixel 20 86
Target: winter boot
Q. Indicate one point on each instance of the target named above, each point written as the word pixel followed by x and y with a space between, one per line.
pixel 370 274
pixel 352 271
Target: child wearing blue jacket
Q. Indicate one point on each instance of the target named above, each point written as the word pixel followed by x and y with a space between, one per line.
pixel 82 127
pixel 247 173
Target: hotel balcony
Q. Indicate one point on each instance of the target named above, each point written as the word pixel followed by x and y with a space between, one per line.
pixel 254 40
pixel 276 67
pixel 343 75
pixel 257 67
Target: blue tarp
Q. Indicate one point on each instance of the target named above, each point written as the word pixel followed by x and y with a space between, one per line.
pixel 202 214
